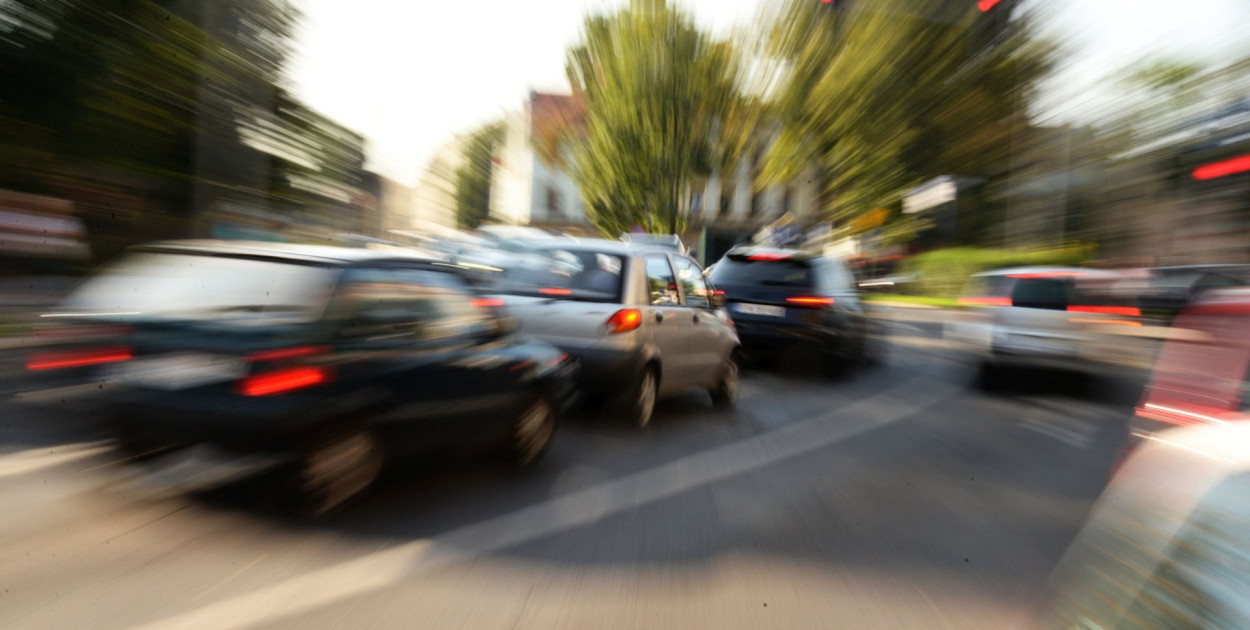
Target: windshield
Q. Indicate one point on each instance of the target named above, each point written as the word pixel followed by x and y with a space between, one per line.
pixel 166 284
pixel 781 273
pixel 566 274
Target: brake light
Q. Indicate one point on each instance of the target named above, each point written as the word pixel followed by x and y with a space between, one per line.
pixel 718 292
pixel 624 320
pixel 555 291
pixel 810 300
pixel 768 256
pixel 287 353
pixel 486 302
pixel 1129 311
pixel 78 358
pixel 1046 274
pixel 989 300
pixel 282 381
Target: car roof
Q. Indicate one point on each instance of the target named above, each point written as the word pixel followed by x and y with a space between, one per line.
pixel 789 252
pixel 603 246
pixel 287 251
pixel 1042 271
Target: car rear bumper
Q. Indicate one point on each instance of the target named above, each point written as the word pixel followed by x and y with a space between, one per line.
pixel 275 424
pixel 605 370
pixel 768 339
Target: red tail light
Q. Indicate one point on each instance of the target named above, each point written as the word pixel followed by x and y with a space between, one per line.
pixel 1046 274
pixel 985 301
pixel 78 358
pixel 770 256
pixel 555 291
pixel 282 381
pixel 810 300
pixel 486 303
pixel 624 320
pixel 1130 311
pixel 287 353
pixel 718 292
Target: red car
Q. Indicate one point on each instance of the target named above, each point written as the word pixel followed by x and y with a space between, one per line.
pixel 1200 377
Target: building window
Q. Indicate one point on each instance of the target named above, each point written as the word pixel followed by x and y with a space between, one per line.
pixel 553 201
pixel 785 200
pixel 757 200
pixel 726 200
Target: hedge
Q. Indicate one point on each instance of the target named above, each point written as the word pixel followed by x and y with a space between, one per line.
pixel 943 272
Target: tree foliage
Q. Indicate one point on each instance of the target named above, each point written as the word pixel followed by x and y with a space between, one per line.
pixel 882 95
pixel 473 177
pixel 657 91
pixel 114 99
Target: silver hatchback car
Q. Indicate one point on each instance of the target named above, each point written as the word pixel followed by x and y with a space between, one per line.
pixel 642 322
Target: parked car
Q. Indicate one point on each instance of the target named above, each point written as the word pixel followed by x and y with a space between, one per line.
pixel 783 300
pixel 331 360
pixel 1048 317
pixel 1166 546
pixel 641 322
pixel 1202 375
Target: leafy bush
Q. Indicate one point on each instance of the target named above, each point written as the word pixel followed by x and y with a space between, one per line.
pixel 943 272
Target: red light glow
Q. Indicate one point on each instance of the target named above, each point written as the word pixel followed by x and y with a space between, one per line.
pixel 1214 170
pixel 78 358
pixel 985 301
pixel 282 381
pixel 624 320
pixel 768 256
pixel 986 5
pixel 810 300
pixel 1130 311
pixel 555 291
pixel 287 353
pixel 487 302
pixel 1046 274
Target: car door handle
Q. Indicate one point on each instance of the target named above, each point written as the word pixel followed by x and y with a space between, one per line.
pixel 659 317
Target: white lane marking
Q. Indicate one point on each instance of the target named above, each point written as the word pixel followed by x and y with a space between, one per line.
pixel 31 460
pixel 388 567
pixel 1080 437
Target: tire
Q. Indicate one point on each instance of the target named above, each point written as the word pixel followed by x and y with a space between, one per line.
pixel 725 393
pixel 532 433
pixel 640 405
pixel 336 469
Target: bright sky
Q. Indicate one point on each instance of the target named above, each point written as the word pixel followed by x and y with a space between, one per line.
pixel 411 73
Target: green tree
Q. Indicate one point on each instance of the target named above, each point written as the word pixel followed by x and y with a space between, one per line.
pixel 657 92
pixel 879 96
pixel 473 177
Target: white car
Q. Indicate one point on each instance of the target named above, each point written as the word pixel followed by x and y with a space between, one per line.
pixel 1048 317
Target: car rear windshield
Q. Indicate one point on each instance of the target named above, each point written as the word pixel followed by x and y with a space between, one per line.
pixel 170 284
pixel 568 274
pixel 782 273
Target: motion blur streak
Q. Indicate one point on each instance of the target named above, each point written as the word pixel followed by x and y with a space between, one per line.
pixel 78 358
pixel 283 381
pixel 389 567
pixel 1223 169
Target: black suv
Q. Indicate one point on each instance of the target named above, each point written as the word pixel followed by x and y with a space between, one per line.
pixel 788 302
pixel 329 360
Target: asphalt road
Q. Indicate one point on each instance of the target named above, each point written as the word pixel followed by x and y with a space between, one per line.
pixel 900 497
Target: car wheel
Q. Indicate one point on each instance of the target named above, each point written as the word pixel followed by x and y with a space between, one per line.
pixel 641 405
pixel 336 469
pixel 532 433
pixel 725 394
